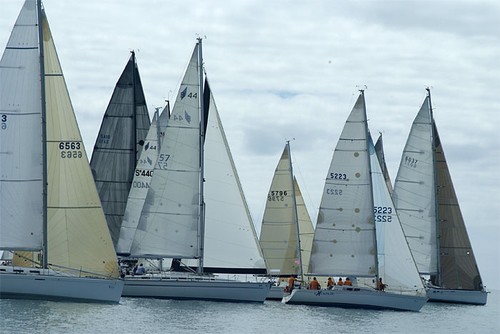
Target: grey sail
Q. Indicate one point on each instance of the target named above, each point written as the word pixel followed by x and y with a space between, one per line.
pixel 118 145
pixel 458 265
pixel 379 150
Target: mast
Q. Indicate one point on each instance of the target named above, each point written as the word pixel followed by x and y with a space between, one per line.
pixel 295 213
pixel 44 137
pixel 134 108
pixel 371 183
pixel 435 188
pixel 201 225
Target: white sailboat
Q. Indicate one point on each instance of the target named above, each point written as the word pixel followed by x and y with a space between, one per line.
pixel 349 240
pixel 176 223
pixel 287 231
pixel 431 218
pixel 50 213
pixel 118 145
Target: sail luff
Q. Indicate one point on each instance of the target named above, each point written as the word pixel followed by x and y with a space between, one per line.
pixel 201 215
pixel 45 252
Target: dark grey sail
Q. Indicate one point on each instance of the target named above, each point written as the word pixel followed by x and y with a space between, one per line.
pixel 118 145
pixel 379 150
pixel 458 266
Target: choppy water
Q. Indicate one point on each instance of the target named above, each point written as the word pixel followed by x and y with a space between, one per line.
pixel 133 315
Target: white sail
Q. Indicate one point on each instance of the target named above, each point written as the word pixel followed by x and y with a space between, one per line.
pixel 21 204
pixel 414 194
pixel 77 236
pixel 344 238
pixel 395 261
pixel 168 227
pixel 141 181
pixel 287 231
pixel 230 238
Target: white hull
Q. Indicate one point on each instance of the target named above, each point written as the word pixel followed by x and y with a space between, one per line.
pixel 276 292
pixel 193 287
pixel 457 296
pixel 32 283
pixel 351 297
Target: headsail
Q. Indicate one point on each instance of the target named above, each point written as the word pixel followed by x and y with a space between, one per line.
pixel 118 145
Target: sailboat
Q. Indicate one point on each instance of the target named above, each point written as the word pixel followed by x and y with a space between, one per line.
pixel 50 213
pixel 119 143
pixel 175 218
pixel 430 214
pixel 349 239
pixel 287 231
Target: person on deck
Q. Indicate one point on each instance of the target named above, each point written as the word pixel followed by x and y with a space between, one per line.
pixel 380 286
pixel 291 282
pixel 141 270
pixel 340 282
pixel 314 285
pixel 330 283
pixel 347 281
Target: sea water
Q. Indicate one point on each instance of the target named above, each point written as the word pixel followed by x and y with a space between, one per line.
pixel 134 315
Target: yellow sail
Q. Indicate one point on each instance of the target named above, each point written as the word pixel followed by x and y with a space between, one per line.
pixel 78 237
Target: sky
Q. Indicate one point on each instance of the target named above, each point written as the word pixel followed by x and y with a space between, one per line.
pixel 291 70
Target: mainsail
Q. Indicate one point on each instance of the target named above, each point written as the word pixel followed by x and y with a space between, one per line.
pixel 168 226
pixel 344 239
pixel 118 145
pixel 286 234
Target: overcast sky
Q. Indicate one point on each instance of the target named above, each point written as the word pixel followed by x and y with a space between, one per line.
pixel 291 70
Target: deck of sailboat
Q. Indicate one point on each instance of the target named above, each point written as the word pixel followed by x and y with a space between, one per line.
pixel 356 297
pixel 188 286
pixel 46 284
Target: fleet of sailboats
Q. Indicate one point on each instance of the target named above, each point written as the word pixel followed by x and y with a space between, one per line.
pixel 430 214
pixel 50 213
pixel 287 231
pixel 167 191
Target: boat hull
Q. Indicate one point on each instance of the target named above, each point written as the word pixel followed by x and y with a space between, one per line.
pixel 30 283
pixel 348 297
pixel 457 296
pixel 276 292
pixel 195 288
